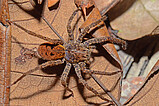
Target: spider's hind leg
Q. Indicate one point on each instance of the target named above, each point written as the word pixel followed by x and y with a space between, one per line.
pixel 88 71
pixel 78 72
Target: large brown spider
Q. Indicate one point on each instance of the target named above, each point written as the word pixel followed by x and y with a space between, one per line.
pixel 75 52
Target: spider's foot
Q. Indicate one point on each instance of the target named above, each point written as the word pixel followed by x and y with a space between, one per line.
pixel 72 94
pixel 69 94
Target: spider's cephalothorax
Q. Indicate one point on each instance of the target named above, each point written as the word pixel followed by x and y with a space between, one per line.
pixel 75 52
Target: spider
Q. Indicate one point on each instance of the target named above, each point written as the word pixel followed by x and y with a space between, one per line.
pixel 75 53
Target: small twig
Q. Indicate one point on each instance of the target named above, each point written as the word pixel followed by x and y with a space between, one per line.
pixel 52 28
pixel 105 90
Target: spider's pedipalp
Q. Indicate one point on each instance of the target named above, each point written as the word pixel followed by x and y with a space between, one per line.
pixel 65 75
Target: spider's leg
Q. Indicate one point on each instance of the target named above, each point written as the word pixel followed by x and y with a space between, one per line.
pixel 49 63
pixel 64 76
pixel 105 39
pixel 99 72
pixel 69 29
pixel 84 70
pixel 87 71
pixel 86 29
pixel 78 72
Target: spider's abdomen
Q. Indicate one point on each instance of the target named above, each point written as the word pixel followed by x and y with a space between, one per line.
pixel 49 51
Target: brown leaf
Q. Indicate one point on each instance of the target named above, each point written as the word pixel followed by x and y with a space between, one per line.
pixel 84 4
pixel 139 59
pixel 105 6
pixel 52 2
pixel 135 18
pixel 102 5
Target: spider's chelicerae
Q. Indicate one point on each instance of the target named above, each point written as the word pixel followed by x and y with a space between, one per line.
pixel 76 53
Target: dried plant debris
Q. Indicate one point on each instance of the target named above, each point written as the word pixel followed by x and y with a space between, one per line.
pixel 139 60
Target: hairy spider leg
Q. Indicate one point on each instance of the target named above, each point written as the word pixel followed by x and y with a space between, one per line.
pixel 87 71
pixel 69 29
pixel 86 29
pixel 105 39
pixel 78 72
pixel 46 64
pixel 65 75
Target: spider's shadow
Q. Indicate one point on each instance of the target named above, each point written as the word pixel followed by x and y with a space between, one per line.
pixel 52 69
pixel 58 70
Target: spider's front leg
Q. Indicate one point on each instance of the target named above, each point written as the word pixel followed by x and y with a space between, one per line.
pixel 69 29
pixel 78 72
pixel 46 64
pixel 64 77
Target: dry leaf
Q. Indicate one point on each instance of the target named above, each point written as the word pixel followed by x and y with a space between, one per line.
pixel 84 4
pixel 141 60
pixel 105 6
pixel 135 18
pixel 52 2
